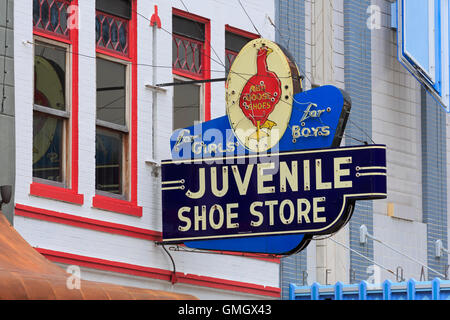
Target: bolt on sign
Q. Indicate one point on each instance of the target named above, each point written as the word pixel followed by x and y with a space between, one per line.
pixel 270 174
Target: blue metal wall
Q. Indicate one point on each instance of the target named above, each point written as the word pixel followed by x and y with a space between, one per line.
pixel 358 84
pixel 290 33
pixel 434 184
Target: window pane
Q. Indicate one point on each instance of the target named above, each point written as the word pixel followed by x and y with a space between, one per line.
pixel 120 8
pixel 186 105
pixel 49 74
pixel 108 161
pixel 47 147
pixel 111 91
pixel 188 28
pixel 235 42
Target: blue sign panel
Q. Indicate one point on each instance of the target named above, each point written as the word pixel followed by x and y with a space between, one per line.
pixel 300 192
pixel 316 122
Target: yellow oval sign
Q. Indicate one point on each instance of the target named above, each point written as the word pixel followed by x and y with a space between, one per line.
pixel 259 94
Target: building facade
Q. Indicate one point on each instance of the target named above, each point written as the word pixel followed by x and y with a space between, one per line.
pixel 353 45
pixel 91 128
pixel 84 127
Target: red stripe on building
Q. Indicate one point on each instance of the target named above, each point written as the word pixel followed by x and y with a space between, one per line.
pixel 160 274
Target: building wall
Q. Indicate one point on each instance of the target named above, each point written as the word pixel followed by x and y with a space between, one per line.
pixel 116 247
pixel 388 108
pixel 7 139
pixel 290 15
pixel 396 116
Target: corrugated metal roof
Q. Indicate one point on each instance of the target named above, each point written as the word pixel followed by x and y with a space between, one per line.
pixel 27 275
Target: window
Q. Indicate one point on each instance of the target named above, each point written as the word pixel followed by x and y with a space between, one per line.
pixel 112 128
pixel 235 40
pixel 190 61
pixel 113 78
pixel 116 107
pixel 187 47
pixel 55 102
pixel 50 16
pixel 51 115
pixel 111 33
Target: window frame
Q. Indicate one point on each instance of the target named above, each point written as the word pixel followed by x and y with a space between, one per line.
pixel 239 32
pixel 124 130
pixel 115 53
pixel 205 114
pixel 59 114
pixel 105 200
pixel 66 191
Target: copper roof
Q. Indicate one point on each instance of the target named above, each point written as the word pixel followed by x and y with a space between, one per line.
pixel 26 274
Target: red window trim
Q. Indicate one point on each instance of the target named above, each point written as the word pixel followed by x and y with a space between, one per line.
pixel 69 194
pixel 157 273
pixel 86 223
pixel 54 35
pixel 112 52
pixel 116 205
pixel 183 72
pixel 111 204
pixel 241 32
pixel 55 193
pixel 206 64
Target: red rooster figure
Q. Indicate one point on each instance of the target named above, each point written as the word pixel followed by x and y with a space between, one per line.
pixel 260 95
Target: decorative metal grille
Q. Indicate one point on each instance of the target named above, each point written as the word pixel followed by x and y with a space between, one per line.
pixel 187 55
pixel 111 33
pixel 51 16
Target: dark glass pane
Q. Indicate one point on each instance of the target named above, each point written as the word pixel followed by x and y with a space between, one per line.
pixel 235 42
pixel 47 147
pixel 120 8
pixel 123 36
pixel 114 35
pixel 111 91
pixel 49 73
pixel 188 28
pixel 198 59
pixel 97 28
pixel 36 11
pixel 105 31
pixel 186 105
pixel 178 53
pixel 190 57
pixel 44 13
pixel 229 61
pixel 54 15
pixel 174 53
pixel 63 20
pixel 108 161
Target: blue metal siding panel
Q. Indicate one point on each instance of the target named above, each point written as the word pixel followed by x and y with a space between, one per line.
pixel 434 171
pixel 358 82
pixel 290 33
